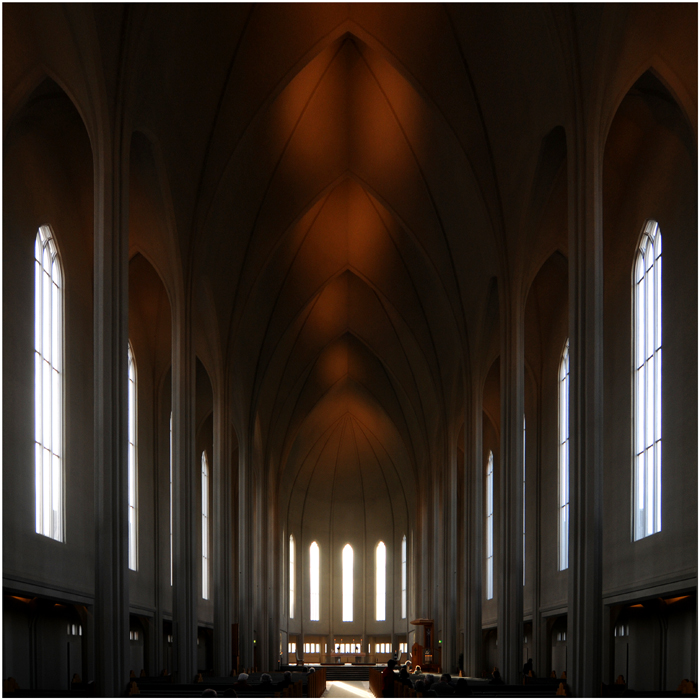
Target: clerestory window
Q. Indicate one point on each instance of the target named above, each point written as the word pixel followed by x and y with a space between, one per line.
pixel 380 581
pixel 564 458
pixel 314 582
pixel 647 290
pixel 489 527
pixel 133 466
pixel 292 575
pixel 48 385
pixel 205 526
pixel 347 583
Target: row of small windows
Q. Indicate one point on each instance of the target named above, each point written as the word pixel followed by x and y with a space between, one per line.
pixel 343 648
pixel 49 406
pixel 347 581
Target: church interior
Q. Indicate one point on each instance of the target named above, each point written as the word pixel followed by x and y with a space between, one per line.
pixel 322 321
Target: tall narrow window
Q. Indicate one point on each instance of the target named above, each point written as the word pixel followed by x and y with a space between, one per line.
pixel 314 582
pixel 380 578
pixel 292 575
pixel 403 578
pixel 171 498
pixel 48 385
pixel 489 527
pixel 133 482
pixel 524 500
pixel 647 383
pixel 347 583
pixel 205 526
pixel 564 459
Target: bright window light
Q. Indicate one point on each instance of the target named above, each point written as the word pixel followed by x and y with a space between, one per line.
pixel 205 526
pixel 647 383
pixel 48 385
pixel 403 578
pixel 171 498
pixel 292 575
pixel 314 573
pixel 133 481
pixel 489 527
pixel 347 583
pixel 380 578
pixel 524 435
pixel 564 459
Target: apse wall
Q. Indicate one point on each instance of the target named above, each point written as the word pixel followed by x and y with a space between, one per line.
pixel 347 491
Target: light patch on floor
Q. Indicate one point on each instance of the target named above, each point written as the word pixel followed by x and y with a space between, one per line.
pixel 347 689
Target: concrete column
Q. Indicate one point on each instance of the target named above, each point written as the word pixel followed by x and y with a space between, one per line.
pixel 474 531
pixel 510 600
pixel 534 468
pixel 186 591
pixel 585 411
pixel 223 545
pixel 451 624
pixel 245 556
pixel 111 334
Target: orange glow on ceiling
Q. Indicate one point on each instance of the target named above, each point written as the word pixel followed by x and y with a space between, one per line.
pixel 24 600
pixel 334 363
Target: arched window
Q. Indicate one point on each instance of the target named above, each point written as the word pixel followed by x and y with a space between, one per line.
pixel 524 499
pixel 292 575
pixel 403 578
pixel 380 578
pixel 48 385
pixel 314 582
pixel 347 583
pixel 133 481
pixel 489 527
pixel 647 383
pixel 171 498
pixel 564 459
pixel 205 526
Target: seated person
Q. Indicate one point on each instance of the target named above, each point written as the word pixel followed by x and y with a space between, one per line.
pixel 285 682
pixel 388 676
pixel 462 689
pixel 266 686
pixel 242 683
pixel 443 688
pixel 404 677
pixel 496 677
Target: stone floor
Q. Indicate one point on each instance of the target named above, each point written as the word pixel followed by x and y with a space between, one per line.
pixel 347 689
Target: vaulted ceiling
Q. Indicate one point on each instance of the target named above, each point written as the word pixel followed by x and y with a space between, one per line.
pixel 338 187
pixel 342 213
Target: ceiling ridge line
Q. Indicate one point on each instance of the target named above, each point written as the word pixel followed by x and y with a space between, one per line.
pixel 271 178
pixel 370 284
pixel 462 329
pixel 309 368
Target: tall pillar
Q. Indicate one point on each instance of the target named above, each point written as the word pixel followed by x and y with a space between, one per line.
pixel 111 337
pixel 186 592
pixel 451 624
pixel 474 531
pixel 584 623
pixel 223 545
pixel 245 556
pixel 510 600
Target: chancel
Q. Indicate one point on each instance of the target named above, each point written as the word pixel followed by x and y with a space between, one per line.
pixel 341 333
